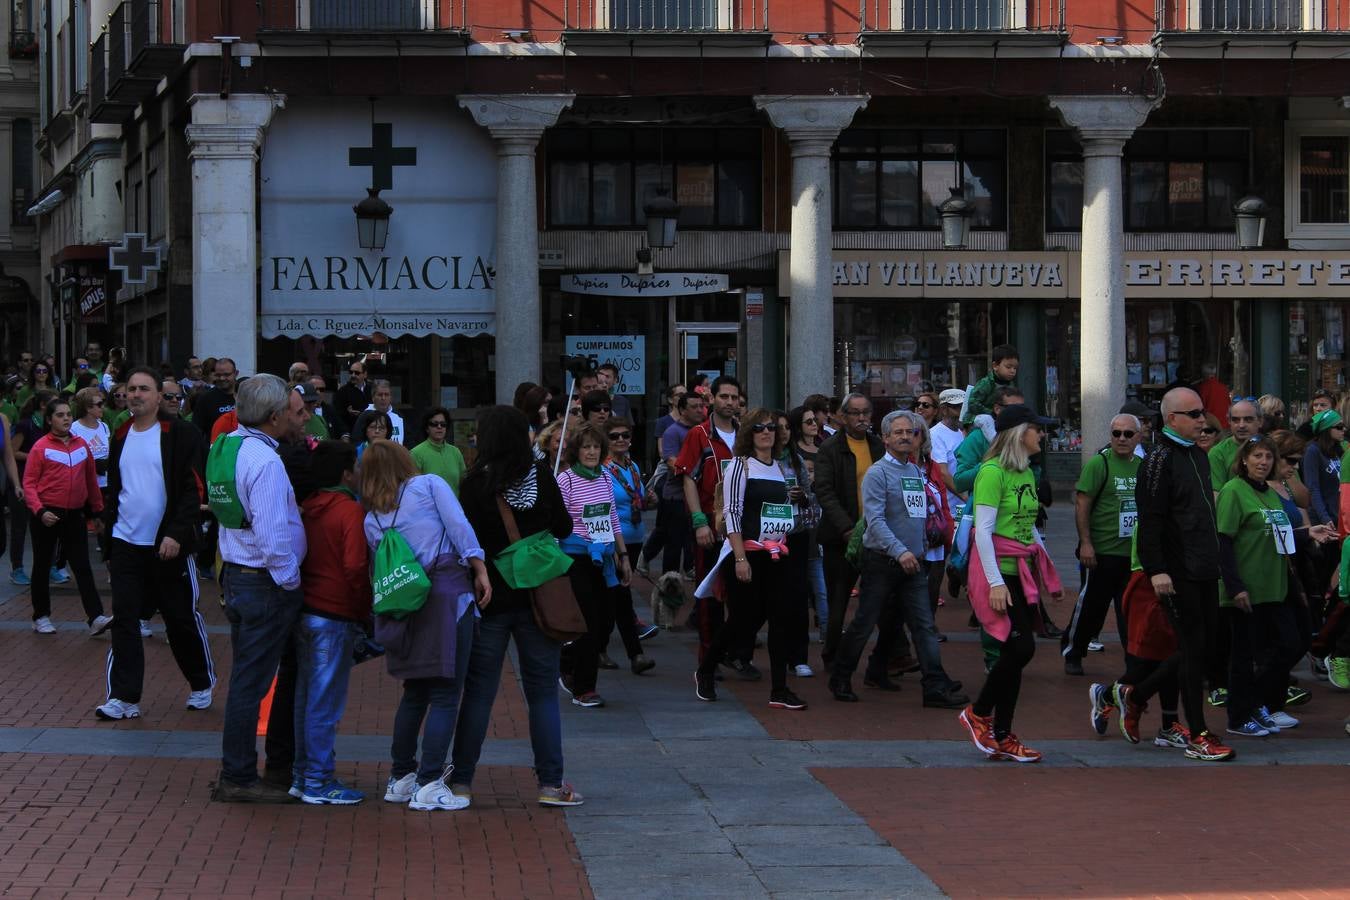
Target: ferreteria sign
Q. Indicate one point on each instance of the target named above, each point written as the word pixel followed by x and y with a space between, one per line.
pixel 1057 275
pixel 434 166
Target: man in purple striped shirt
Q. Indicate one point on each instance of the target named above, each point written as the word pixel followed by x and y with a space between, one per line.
pixel 260 577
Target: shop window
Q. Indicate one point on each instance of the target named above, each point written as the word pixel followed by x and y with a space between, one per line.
pixel 894 179
pixel 602 177
pixel 1174 179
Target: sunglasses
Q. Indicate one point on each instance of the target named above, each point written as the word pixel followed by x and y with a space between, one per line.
pixel 1292 460
pixel 761 427
pixel 119 396
pixel 1208 430
pixel 437 424
pixel 621 435
pixel 925 405
pixel 600 409
pixel 39 371
pixel 173 396
pixel 97 403
pixel 82 366
pixel 1191 413
pixel 1122 434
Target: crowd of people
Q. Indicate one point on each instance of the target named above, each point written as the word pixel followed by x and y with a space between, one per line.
pixel 1209 526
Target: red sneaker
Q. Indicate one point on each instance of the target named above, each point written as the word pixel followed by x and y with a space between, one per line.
pixel 1012 748
pixel 981 730
pixel 1129 712
pixel 1206 747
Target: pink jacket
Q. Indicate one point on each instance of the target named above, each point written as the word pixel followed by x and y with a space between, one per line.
pixel 1044 578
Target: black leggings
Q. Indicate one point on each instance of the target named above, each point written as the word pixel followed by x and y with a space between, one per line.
pixel 622 616
pixel 1194 612
pixel 749 605
pixel 70 532
pixel 1004 682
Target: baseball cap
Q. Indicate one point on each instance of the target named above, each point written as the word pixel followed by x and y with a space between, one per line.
pixel 1327 418
pixel 1020 414
pixel 307 392
pixel 952 397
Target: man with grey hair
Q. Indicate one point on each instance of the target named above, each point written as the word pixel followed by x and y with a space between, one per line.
pixel 841 463
pixel 1105 513
pixel 382 400
pixel 261 574
pixel 1244 418
pixel 895 501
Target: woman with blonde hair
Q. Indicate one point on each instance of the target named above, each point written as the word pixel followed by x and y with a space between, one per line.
pixel 1009 569
pixel 429 648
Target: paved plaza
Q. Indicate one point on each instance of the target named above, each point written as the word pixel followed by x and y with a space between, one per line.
pixel 684 799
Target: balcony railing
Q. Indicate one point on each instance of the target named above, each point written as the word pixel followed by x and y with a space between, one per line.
pixel 929 17
pixel 359 16
pixel 147 26
pixel 117 44
pixel 98 71
pixel 668 16
pixel 1254 16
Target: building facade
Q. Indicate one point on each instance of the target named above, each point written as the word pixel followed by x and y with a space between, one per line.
pixel 20 271
pixel 1100 150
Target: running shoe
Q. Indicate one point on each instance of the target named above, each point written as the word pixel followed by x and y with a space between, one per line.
pixel 561 795
pixel 199 699
pixel 640 663
pixel 705 687
pixel 981 730
pixel 785 699
pixel 99 625
pixel 1073 666
pixel 433 795
pixel 58 576
pixel 1129 712
pixel 803 671
pixel 647 632
pixel 1262 717
pixel 1096 647
pixel 745 670
pixel 1012 748
pixel 1283 720
pixel 20 577
pixel 1175 738
pixel 43 625
pixel 1218 697
pixel 1206 748
pixel 117 709
pixel 1319 667
pixel 1250 728
pixel 1338 672
pixel 333 794
pixel 401 790
pixel 1099 695
pixel 590 700
pixel 1296 696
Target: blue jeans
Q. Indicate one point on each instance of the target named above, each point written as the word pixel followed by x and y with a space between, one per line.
pixel 815 574
pixel 435 701
pixel 261 616
pixel 539 660
pixel 323 650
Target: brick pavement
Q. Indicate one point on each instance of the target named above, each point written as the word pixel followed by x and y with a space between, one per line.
pixel 1005 831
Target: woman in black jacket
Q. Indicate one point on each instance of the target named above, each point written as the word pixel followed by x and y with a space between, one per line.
pixel 506 468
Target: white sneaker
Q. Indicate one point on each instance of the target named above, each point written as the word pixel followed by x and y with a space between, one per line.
pixel 803 671
pixel 116 709
pixel 402 789
pixel 199 699
pixel 1096 646
pixel 437 795
pixel 145 628
pixel 1283 720
pixel 44 625
pixel 99 625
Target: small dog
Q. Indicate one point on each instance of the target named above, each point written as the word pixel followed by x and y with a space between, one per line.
pixel 667 597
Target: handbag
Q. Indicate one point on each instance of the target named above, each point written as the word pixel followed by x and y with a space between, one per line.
pixel 556 611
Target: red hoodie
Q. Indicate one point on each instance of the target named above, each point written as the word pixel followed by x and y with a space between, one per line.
pixel 336 573
pixel 61 476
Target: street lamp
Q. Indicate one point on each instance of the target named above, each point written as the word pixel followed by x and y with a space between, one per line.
pixel 662 214
pixel 955 214
pixel 1249 217
pixel 372 220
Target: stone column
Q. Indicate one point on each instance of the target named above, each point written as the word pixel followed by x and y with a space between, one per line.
pixel 811 125
pixel 223 142
pixel 1103 125
pixel 516 122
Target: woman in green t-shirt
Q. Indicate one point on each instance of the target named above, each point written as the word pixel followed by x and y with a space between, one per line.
pixel 1007 550
pixel 1256 543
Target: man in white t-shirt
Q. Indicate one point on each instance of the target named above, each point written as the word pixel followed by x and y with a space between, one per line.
pixel 946 436
pixel 153 515
pixel 382 399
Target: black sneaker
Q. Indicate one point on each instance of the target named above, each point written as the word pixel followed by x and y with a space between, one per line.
pixel 881 683
pixel 744 670
pixel 607 663
pixel 842 690
pixel 952 699
pixel 705 688
pixel 1073 666
pixel 785 699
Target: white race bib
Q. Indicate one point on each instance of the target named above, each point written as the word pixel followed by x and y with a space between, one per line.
pixel 1280 531
pixel 1129 515
pixel 775 521
pixel 599 528
pixel 916 500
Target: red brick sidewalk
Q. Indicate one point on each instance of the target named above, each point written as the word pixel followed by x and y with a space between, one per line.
pixel 129 827
pixel 1011 831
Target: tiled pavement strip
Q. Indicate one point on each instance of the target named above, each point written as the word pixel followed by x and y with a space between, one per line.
pixel 684 798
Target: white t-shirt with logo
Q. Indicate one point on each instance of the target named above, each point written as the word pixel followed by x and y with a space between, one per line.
pixel 98 438
pixel 141 502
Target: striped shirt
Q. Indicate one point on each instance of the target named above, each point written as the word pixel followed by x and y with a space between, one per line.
pixel 747 487
pixel 275 540
pixel 578 493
